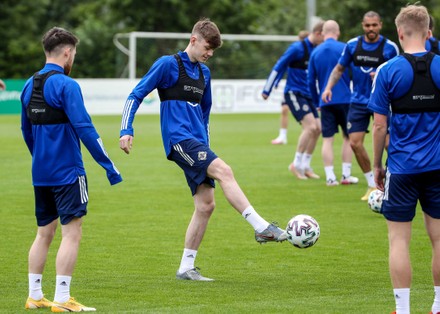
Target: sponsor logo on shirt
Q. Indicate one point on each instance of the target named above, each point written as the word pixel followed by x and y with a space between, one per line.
pixel 367 59
pixel 423 97
pixel 193 89
pixel 38 110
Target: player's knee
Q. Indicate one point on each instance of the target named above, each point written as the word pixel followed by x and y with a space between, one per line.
pixel 207 208
pixel 226 173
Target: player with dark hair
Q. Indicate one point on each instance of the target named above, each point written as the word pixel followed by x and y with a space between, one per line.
pixel 297 96
pixel 54 120
pixel 406 91
pixel 363 54
pixel 184 85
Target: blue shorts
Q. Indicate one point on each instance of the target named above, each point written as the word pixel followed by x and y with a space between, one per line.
pixel 333 116
pixel 194 158
pixel 402 191
pixel 300 105
pixel 358 118
pixel 64 201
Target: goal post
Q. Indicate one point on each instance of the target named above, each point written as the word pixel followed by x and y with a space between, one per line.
pixel 274 45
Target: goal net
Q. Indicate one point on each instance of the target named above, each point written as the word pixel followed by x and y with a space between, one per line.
pixel 241 56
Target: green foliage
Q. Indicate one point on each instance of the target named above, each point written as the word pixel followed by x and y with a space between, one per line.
pixel 133 233
pixel 22 24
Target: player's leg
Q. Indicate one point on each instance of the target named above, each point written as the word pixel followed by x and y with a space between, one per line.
pixel 46 214
pixel 314 131
pixel 347 156
pixel 357 145
pixel 329 128
pixel 433 229
pixel 399 208
pixel 72 203
pixel 37 260
pixel 340 115
pixel 223 173
pixel 399 234
pixel 327 158
pixel 358 120
pixel 204 205
pixel 430 203
pixel 284 122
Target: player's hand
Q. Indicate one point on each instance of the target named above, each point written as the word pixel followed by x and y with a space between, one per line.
pixel 126 143
pixel 372 74
pixel 264 96
pixel 326 95
pixel 379 176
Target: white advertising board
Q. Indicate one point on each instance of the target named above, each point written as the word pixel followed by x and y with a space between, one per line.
pixel 108 96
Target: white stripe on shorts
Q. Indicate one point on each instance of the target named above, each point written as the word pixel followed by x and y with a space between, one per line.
pixel 387 184
pixel 185 156
pixel 83 189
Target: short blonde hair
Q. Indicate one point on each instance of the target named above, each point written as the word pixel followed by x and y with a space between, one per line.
pixel 413 20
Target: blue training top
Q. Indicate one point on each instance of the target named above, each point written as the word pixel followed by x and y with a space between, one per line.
pixel 55 148
pixel 296 76
pixel 180 120
pixel 321 63
pixel 361 75
pixel 414 137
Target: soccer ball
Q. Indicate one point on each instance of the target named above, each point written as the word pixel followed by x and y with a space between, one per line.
pixel 375 201
pixel 302 231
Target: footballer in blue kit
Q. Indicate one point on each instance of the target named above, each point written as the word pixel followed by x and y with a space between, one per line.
pixel 405 100
pixel 363 54
pixel 54 122
pixel 183 82
pixel 297 96
pixel 333 113
pixel 411 84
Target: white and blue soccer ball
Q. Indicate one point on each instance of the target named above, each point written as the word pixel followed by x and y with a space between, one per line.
pixel 375 201
pixel 302 231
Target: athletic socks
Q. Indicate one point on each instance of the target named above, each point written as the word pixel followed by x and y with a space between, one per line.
pixel 297 161
pixel 330 173
pixel 254 219
pixel 35 289
pixel 401 296
pixel 370 179
pixel 188 259
pixel 62 289
pixel 306 160
pixel 436 303
pixel 346 169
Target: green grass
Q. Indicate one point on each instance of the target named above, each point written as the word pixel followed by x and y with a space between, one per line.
pixel 133 235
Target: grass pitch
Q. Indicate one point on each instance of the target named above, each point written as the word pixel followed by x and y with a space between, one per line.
pixel 133 235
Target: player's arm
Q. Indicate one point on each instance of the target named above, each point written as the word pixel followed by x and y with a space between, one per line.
pixel 26 126
pixel 335 76
pixel 82 123
pixel 278 70
pixel 379 137
pixel 379 104
pixel 311 81
pixel 154 78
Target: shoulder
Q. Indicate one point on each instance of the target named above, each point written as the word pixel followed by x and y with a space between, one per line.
pixel 391 44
